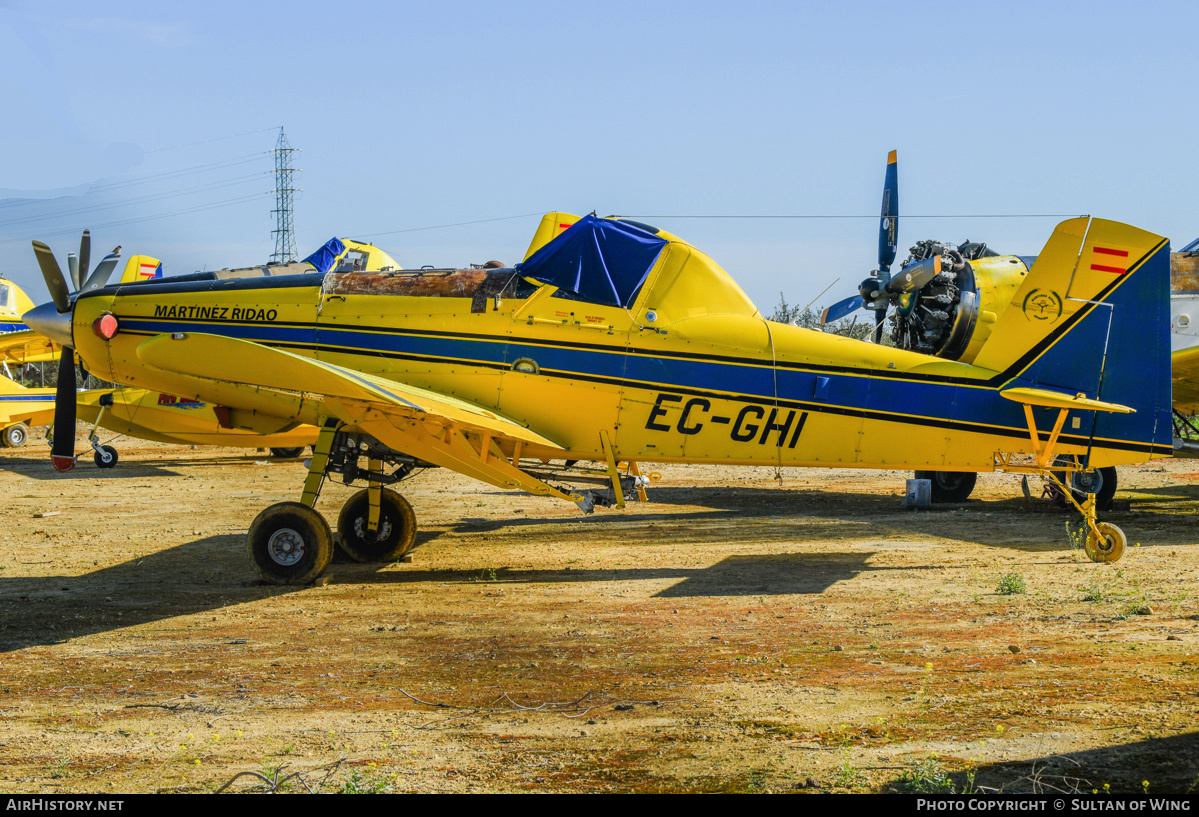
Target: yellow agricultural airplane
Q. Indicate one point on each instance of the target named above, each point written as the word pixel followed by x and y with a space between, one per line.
pixel 615 342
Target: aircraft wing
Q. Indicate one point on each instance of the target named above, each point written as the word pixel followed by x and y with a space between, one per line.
pixel 1185 372
pixel 27 346
pixel 424 424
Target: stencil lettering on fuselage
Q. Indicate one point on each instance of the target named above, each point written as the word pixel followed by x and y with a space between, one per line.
pixel 216 313
pixel 752 423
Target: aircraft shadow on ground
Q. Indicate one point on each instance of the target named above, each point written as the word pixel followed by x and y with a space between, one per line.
pixel 742 575
pixel 804 514
pixel 1168 765
pixel 207 574
pixel 40 468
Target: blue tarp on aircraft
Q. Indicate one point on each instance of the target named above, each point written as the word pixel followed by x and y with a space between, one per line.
pixel 324 258
pixel 602 261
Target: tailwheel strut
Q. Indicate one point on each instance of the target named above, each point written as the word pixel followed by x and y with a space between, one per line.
pixel 1105 542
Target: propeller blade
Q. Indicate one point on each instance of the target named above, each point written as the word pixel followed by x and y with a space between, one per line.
pixel 842 308
pixel 53 275
pixel 85 257
pixel 62 453
pixel 915 276
pixel 888 228
pixel 103 272
pixel 73 270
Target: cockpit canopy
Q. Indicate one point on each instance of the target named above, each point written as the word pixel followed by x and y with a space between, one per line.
pixel 627 264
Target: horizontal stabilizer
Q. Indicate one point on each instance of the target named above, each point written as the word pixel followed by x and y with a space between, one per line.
pixel 1054 399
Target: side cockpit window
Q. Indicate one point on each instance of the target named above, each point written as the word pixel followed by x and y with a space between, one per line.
pixel 354 261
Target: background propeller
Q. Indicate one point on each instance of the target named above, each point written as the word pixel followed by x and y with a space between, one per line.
pixel 62 452
pixel 877 292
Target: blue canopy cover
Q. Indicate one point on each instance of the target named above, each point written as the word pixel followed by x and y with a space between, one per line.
pixel 600 260
pixel 324 258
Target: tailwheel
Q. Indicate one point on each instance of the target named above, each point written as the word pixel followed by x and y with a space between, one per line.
pixel 105 456
pixel 1105 543
pixel 290 543
pixel 949 486
pixel 394 535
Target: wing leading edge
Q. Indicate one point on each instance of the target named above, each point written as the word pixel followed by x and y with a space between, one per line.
pixel 443 430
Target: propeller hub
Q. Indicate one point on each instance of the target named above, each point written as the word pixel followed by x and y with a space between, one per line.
pixel 47 320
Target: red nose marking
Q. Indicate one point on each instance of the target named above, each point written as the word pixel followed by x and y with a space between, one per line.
pixel 62 464
pixel 105 326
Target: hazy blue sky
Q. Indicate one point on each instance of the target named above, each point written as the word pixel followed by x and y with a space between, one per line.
pixel 151 123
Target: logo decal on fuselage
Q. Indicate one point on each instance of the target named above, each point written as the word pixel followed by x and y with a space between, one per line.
pixel 1042 305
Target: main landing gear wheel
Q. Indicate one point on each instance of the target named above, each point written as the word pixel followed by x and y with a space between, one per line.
pixel 15 436
pixel 1109 546
pixel 1101 482
pixel 950 486
pixel 396 533
pixel 290 543
pixel 106 457
pixel 287 453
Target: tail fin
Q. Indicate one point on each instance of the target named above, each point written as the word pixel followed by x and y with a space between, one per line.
pixel 551 226
pixel 1092 316
pixel 141 268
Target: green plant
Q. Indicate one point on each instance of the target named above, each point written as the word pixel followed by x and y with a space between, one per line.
pixel 1011 584
pixel 358 782
pixel 58 769
pixel 929 777
pixel 847 776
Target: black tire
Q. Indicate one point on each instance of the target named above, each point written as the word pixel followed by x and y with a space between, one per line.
pixel 289 543
pixel 15 436
pixel 950 486
pixel 287 453
pixel 397 527
pixel 1101 482
pixel 106 457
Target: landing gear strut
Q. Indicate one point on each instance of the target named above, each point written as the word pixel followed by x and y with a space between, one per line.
pixel 105 456
pixel 291 543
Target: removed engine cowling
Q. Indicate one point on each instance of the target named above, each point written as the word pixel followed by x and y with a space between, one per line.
pixel 952 315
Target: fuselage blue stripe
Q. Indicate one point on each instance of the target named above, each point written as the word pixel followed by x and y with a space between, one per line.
pixel 847 394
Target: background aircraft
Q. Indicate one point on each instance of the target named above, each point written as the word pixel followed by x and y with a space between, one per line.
pixel 619 342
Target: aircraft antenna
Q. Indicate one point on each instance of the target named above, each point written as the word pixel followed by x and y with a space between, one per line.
pixel 285 230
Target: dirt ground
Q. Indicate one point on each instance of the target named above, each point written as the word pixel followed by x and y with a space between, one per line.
pixel 735 633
